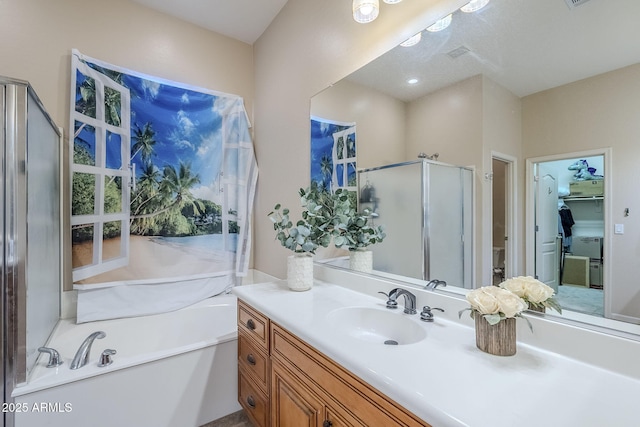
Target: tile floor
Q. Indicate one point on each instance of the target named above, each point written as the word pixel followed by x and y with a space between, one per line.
pixel 237 419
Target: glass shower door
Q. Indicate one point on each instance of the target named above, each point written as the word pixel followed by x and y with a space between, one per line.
pixel 398 205
pixel 448 223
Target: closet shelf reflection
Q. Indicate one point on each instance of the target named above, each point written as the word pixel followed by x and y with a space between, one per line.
pixel 582 198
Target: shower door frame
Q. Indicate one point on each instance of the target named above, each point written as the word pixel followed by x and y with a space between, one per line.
pixel 425 236
pixel 15 95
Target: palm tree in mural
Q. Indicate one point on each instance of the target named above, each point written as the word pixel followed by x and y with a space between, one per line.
pixel 178 184
pixel 86 105
pixel 144 141
pixel 174 190
pixel 351 145
pixel 146 198
pixel 112 103
pixel 326 166
pixel 340 148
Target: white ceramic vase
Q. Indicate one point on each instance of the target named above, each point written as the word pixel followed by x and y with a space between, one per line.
pixel 361 260
pixel 300 272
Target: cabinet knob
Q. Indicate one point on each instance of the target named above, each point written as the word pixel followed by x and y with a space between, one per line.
pixel 327 423
pixel 251 324
pixel 251 359
pixel 251 402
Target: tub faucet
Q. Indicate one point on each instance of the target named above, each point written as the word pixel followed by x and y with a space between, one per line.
pixel 82 355
pixel 409 300
pixel 433 284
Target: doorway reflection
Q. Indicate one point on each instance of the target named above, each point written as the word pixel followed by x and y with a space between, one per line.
pixel 499 219
pixel 578 255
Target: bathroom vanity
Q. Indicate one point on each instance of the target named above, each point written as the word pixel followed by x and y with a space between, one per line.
pixel 310 358
pixel 285 381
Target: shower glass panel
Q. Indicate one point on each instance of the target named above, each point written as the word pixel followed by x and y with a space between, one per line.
pixel 397 205
pixel 426 208
pixel 43 228
pixel 444 224
pixel 30 230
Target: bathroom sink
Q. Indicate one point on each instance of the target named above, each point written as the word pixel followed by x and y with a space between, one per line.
pixel 376 325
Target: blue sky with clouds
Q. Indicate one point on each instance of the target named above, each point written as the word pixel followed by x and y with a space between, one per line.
pixel 186 124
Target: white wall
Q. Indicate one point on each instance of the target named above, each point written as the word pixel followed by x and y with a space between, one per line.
pixel 380 120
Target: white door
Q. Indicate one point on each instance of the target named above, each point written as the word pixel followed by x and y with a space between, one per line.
pixel 547 230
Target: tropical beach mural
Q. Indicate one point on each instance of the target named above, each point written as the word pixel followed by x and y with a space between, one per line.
pixel 160 171
pixel 333 154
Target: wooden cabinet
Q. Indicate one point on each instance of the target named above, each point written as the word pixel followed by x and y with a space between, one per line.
pixel 297 386
pixel 293 404
pixel 253 364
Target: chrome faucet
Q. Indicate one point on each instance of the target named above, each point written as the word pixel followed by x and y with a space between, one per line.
pixel 433 284
pixel 409 300
pixel 54 357
pixel 82 355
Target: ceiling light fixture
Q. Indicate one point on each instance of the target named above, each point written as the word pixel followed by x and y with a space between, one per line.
pixel 412 81
pixel 412 40
pixel 440 24
pixel 474 6
pixel 365 11
pixel 391 1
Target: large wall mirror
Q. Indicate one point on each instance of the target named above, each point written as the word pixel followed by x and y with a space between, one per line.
pixel 507 91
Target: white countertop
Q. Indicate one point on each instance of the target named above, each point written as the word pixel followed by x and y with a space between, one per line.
pixel 444 378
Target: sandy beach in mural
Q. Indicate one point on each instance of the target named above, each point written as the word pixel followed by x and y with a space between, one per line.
pixel 151 258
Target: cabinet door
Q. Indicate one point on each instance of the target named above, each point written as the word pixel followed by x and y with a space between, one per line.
pixel 292 404
pixel 333 418
pixel 254 402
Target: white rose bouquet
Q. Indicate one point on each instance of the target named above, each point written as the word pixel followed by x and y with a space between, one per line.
pixel 534 292
pixel 494 304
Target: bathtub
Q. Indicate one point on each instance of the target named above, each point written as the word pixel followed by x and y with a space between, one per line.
pixel 176 369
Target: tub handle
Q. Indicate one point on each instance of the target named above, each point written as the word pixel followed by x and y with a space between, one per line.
pixel 251 324
pixel 54 357
pixel 251 402
pixel 105 358
pixel 251 359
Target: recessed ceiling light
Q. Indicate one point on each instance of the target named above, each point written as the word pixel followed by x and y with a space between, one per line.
pixel 412 40
pixel 474 6
pixel 392 1
pixel 365 11
pixel 412 81
pixel 440 24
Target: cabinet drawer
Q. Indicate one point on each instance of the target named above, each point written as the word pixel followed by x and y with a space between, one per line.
pixel 254 324
pixel 253 401
pixel 253 360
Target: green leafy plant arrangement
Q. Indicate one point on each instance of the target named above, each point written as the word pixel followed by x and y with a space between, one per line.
pixel 325 216
pixel 352 229
pixel 310 232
